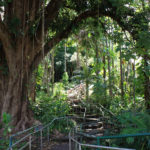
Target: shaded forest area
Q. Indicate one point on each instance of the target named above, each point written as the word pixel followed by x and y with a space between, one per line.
pixel 48 47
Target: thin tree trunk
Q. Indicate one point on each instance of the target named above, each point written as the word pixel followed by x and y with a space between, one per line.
pixel 113 72
pixel 87 78
pixel 65 64
pixel 146 82
pixel 131 70
pixel 134 82
pixel 104 70
pixel 109 70
pixel 53 71
pixel 78 58
pixel 45 76
pixel 121 76
pixel 97 60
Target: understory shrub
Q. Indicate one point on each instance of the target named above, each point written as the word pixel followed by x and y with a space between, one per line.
pixel 5 130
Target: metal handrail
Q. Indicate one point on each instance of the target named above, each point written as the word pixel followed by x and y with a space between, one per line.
pixel 92 146
pixel 11 144
pixel 113 136
pixel 24 131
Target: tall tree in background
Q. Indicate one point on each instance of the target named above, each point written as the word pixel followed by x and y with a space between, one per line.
pixel 121 75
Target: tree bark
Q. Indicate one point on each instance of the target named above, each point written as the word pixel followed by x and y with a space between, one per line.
pixel 32 88
pixel 15 98
pixel 15 75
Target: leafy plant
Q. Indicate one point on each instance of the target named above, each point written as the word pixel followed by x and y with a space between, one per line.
pixel 134 123
pixel 47 107
pixel 65 79
pixel 5 128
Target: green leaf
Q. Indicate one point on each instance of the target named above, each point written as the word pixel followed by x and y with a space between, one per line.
pixel 130 140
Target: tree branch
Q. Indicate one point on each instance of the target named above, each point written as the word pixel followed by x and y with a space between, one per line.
pixel 51 12
pixel 60 36
pixel 76 22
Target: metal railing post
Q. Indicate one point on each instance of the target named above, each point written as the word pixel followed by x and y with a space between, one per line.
pixel 48 134
pixel 98 142
pixel 81 131
pixel 30 142
pixel 76 145
pixel 10 143
pixel 41 140
pixel 79 147
pixel 67 123
pixel 69 141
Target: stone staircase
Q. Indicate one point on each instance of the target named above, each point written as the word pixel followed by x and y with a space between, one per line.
pixel 89 119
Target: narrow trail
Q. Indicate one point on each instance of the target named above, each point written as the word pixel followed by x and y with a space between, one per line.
pixel 56 146
pixel 74 98
pixel 83 114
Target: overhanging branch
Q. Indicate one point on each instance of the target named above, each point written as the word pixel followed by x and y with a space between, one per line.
pixel 60 36
pixel 51 12
pixel 75 23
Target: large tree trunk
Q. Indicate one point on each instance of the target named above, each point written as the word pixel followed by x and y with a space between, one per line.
pixel 18 56
pixel 14 77
pixel 15 101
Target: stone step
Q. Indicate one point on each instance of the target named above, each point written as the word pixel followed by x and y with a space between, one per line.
pixel 95 131
pixel 91 119
pixel 88 115
pixel 74 101
pixel 93 125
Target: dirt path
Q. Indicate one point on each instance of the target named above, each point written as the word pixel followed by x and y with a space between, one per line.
pixel 63 146
pixel 56 146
